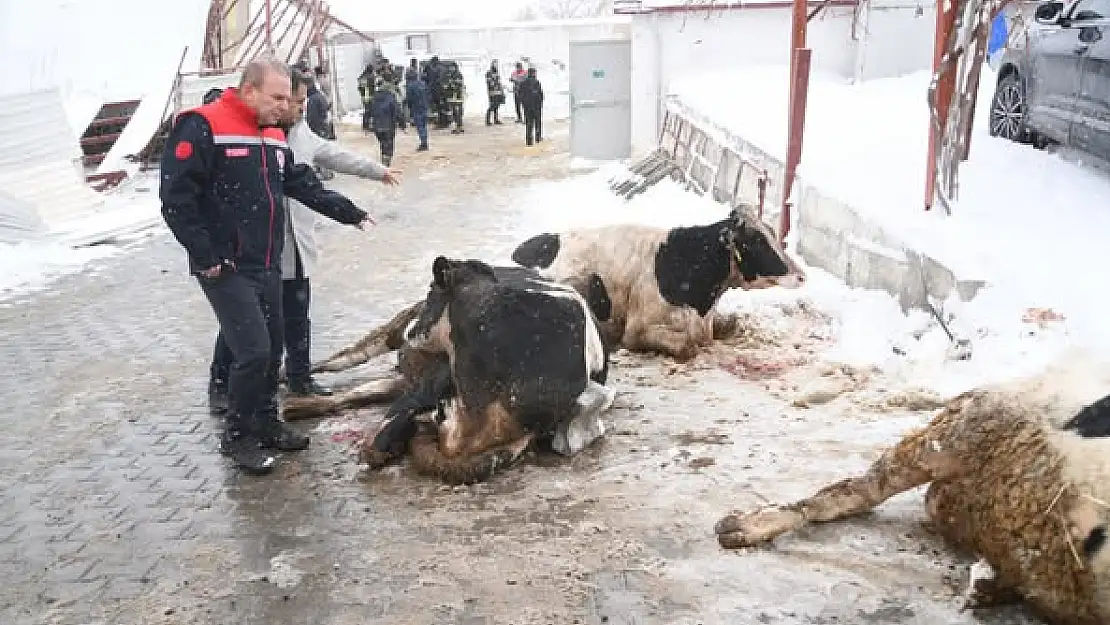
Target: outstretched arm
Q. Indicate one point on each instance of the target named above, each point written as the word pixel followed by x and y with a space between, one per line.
pixel 302 185
pixel 185 175
pixel 331 155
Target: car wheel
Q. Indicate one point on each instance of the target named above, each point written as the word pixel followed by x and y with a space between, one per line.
pixel 1007 118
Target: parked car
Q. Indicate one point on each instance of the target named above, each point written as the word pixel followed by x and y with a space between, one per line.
pixel 1056 87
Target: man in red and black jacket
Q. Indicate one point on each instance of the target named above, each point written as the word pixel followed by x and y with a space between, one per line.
pixel 226 169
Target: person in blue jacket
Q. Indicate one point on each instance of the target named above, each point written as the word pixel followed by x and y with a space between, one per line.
pixel 385 115
pixel 416 94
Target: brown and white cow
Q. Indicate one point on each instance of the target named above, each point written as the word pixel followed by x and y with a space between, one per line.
pixel 664 283
pixel 1018 474
pixel 504 358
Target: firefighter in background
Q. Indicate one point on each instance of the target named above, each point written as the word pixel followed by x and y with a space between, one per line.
pixel 366 92
pixel 496 92
pixel 454 92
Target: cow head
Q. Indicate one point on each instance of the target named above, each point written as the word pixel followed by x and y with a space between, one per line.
pixel 430 330
pixel 758 260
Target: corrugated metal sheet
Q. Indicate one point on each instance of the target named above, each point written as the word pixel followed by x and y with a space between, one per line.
pixel 40 162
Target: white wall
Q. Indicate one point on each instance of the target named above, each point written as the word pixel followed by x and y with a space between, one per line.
pixel 669 45
pixel 898 40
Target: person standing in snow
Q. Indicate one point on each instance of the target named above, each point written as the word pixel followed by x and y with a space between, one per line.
pixel 454 92
pixel 318 119
pixel 516 78
pixel 300 254
pixel 385 114
pixel 496 92
pixel 229 216
pixel 416 95
pixel 531 100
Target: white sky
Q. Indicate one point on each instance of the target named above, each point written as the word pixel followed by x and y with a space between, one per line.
pixel 387 14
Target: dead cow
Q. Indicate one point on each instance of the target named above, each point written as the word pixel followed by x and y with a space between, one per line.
pixel 665 283
pixel 503 362
pixel 1019 475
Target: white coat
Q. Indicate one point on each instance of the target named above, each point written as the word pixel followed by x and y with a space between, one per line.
pixel 300 229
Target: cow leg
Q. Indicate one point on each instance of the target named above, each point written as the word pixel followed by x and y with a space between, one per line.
pixel 725 326
pixel 373 392
pixel 679 340
pixel 398 427
pixel 381 340
pixel 910 463
pixel 586 426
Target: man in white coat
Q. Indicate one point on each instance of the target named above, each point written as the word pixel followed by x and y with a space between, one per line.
pixel 301 253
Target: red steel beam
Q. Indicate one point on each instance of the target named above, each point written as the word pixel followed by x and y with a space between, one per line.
pixel 764 4
pixel 946 21
pixel 799 90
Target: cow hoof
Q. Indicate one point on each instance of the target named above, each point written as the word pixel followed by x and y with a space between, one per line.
pixel 373 458
pixel 749 529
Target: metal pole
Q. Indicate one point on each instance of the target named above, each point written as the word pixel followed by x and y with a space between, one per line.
pixel 269 28
pixel 946 20
pixel 799 87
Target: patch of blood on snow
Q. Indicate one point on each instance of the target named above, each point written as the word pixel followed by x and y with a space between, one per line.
pixel 346 436
pixel 758 366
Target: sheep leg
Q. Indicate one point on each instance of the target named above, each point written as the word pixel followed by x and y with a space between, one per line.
pixel 912 462
pixel 381 340
pixel 372 392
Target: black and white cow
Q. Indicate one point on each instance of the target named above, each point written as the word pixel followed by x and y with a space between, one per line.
pixel 504 358
pixel 664 283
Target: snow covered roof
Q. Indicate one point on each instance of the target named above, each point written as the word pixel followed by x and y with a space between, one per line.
pixel 97 51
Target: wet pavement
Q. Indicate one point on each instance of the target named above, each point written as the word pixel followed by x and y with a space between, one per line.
pixel 115 506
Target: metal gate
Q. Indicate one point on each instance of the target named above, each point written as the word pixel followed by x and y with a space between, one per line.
pixel 601 99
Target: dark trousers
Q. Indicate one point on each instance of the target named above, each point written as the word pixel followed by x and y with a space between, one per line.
pixel 516 105
pixel 249 310
pixel 366 116
pixel 420 120
pixel 533 124
pixel 493 110
pixel 385 141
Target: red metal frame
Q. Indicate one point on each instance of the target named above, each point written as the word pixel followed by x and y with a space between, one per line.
pixel 946 21
pixel 800 57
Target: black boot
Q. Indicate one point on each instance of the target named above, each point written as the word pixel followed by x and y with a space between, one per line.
pixel 217 397
pixel 305 387
pixel 274 434
pixel 240 442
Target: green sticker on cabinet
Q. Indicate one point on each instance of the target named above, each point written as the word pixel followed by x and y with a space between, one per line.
pixel 599 73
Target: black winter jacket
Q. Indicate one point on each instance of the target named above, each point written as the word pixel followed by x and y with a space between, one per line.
pixel 223 187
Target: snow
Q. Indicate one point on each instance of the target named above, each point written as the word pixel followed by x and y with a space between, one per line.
pixel 866 144
pixel 869 325
pixel 130 213
pixel 69 45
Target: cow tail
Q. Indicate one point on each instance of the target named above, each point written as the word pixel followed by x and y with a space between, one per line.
pixel 381 340
pixel 427 459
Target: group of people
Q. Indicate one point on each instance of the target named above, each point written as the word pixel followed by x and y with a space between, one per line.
pixel 527 99
pixel 435 90
pixel 239 192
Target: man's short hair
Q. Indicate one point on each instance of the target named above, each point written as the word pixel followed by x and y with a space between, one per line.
pixel 255 71
pixel 300 79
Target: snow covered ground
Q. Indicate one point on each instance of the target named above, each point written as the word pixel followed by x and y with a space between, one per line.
pixel 870 328
pixel 130 214
pixel 1028 222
